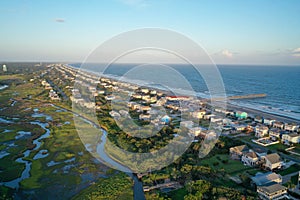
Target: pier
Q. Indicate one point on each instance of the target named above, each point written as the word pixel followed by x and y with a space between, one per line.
pixel 248 96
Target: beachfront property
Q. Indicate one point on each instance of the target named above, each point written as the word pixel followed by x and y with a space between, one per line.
pixel 279 125
pixel 241 115
pixel 288 138
pixel 258 119
pixel 178 98
pixel 291 127
pixel 268 122
pixel 261 131
pixel 272 192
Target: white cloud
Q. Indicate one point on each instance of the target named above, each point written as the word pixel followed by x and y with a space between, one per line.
pixel 60 20
pixel 227 53
pixel 296 52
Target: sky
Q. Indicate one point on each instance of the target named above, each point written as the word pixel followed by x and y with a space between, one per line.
pixel 230 31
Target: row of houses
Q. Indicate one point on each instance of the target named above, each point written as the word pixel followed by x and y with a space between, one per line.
pixel 269 184
pixel 255 157
pixel 52 93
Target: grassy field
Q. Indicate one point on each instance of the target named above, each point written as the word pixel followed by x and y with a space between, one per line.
pixel 291 169
pixel 222 162
pixel 118 187
pixel 62 145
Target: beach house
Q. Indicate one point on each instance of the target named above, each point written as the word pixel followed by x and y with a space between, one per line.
pixel 261 131
pixel 237 152
pixel 272 161
pixel 250 159
pixel 272 192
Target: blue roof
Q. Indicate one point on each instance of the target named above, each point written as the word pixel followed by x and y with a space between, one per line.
pixel 264 178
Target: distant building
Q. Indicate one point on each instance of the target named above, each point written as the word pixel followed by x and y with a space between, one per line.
pixel 258 119
pixel 144 117
pixel 165 119
pixel 4 68
pixel 241 115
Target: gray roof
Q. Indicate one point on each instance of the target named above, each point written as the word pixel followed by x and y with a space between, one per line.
pixel 272 188
pixel 241 148
pixel 251 155
pixel 273 158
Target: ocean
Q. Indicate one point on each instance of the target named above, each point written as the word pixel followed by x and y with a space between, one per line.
pixel 281 84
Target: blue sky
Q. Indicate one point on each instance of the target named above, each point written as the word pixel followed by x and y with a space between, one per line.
pixel 238 32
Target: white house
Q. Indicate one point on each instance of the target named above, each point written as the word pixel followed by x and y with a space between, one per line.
pixel 269 122
pixel 291 138
pixel 240 127
pixel 272 161
pixel 250 159
pixel 274 132
pixel 279 125
pixel 290 127
pixel 261 131
pixel 216 120
pixel 109 98
pixel 272 192
pixel 145 90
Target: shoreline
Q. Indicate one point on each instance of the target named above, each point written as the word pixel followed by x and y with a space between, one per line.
pixel 265 114
pixel 229 106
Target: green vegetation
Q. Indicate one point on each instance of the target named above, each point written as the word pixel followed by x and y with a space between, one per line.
pixel 62 145
pixel 292 169
pixel 118 187
pixel 222 162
